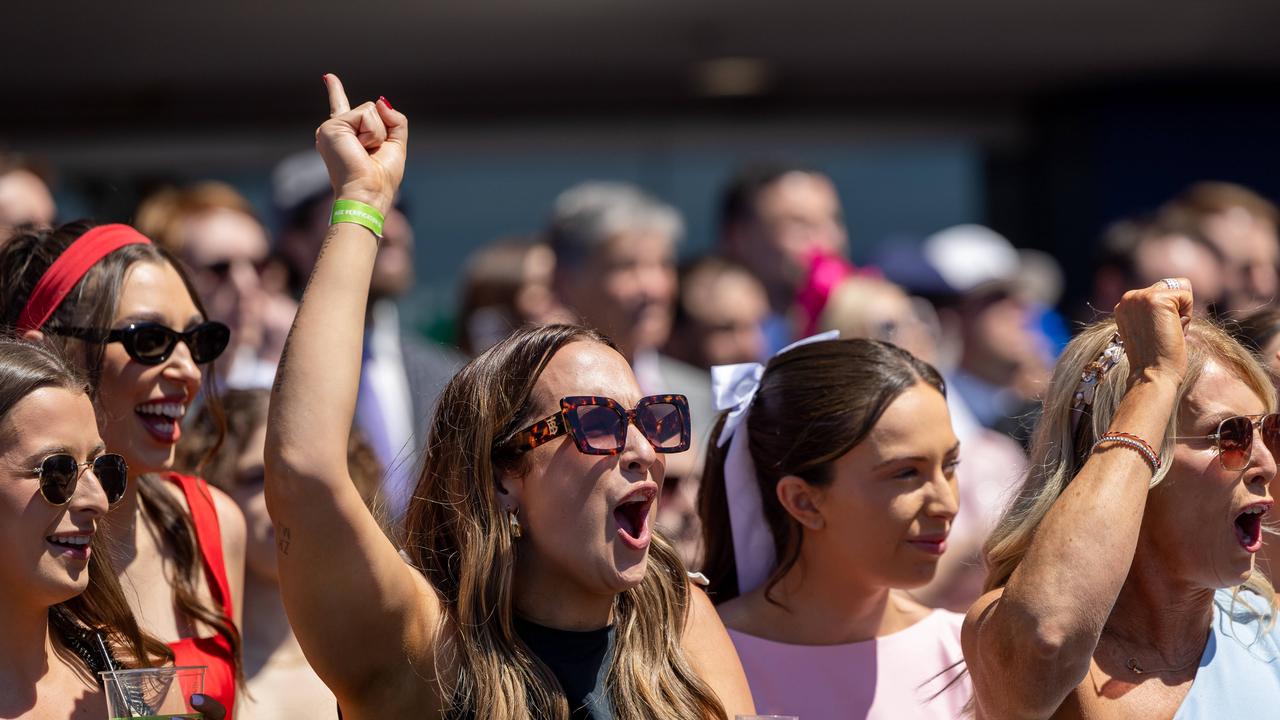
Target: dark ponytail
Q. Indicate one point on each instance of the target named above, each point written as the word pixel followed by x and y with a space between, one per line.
pixel 815 403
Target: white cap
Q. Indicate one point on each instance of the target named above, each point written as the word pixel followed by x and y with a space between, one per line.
pixel 299 177
pixel 968 257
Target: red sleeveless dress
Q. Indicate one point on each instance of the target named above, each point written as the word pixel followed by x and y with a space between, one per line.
pixel 212 652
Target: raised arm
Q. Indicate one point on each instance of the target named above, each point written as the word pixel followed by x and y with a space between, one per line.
pixel 1031 643
pixel 355 606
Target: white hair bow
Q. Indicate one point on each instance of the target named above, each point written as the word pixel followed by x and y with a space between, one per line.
pixel 734 388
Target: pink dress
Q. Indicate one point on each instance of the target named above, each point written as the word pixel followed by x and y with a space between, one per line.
pixel 894 677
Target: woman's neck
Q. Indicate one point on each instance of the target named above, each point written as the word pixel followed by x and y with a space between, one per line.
pixel 25 647
pixel 268 637
pixel 826 608
pixel 1160 614
pixel 557 602
pixel 833 607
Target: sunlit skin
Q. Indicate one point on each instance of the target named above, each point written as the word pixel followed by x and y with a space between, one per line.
pixel 279 680
pixel 48 421
pixel 879 526
pixel 1188 527
pixel 35 574
pixel 1187 547
pixel 571 561
pixel 152 292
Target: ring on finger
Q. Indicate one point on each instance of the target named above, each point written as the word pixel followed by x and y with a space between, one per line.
pixel 1172 283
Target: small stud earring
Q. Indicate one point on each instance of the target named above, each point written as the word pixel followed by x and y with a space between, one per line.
pixel 513 523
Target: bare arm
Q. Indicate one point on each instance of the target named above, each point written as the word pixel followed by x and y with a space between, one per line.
pixel 713 657
pixel 356 607
pixel 1031 643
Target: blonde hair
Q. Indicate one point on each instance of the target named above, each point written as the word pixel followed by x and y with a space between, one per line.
pixel 1058 450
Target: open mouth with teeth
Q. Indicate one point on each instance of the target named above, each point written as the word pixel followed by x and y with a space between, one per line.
pixel 1248 528
pixel 632 517
pixel 162 419
pixel 76 546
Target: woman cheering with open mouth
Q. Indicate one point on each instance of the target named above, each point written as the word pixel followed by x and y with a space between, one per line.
pixel 525 588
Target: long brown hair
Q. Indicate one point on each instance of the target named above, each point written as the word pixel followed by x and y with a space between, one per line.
pixel 93 304
pixel 457 534
pixel 102 608
pixel 815 403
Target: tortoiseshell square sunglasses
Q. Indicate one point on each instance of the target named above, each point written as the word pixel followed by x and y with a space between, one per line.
pixel 598 425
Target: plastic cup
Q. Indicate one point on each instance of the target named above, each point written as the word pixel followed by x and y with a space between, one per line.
pixel 153 693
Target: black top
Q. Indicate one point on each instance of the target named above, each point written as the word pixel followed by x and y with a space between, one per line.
pixel 575 658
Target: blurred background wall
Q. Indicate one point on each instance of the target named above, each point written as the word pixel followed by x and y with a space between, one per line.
pixel 1043 120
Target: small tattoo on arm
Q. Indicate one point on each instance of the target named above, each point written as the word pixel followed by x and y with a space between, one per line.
pixel 283 539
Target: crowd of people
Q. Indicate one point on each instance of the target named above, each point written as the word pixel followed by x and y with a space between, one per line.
pixel 763 480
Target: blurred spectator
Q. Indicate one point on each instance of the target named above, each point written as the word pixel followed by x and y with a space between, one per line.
pixel 1260 332
pixel 991 464
pixel 774 217
pixel 720 311
pixel 992 302
pixel 615 249
pixel 875 308
pixel 1138 252
pixel 506 284
pixel 402 374
pixel 214 230
pixel 1242 224
pixel 281 684
pixel 24 194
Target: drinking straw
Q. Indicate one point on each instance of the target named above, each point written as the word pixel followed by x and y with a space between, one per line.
pixel 124 700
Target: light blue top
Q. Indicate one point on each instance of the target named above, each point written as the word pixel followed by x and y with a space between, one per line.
pixel 1239 673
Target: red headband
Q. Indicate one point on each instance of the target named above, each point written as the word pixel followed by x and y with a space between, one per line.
pixel 70 267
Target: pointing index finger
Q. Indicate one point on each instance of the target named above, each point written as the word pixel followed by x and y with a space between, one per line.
pixel 337 95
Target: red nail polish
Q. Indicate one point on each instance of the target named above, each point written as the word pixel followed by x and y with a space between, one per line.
pixel 325 78
pixel 385 101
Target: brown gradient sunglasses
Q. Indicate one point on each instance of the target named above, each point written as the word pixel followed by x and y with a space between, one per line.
pixel 598 425
pixel 1234 438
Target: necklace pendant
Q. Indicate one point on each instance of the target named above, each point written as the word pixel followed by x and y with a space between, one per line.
pixel 1135 667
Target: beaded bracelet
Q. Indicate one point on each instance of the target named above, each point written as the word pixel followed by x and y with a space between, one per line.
pixel 1133 442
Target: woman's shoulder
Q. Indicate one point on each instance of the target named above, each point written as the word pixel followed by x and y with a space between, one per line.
pixel 194 492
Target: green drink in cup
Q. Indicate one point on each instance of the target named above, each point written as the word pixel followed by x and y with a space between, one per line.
pixel 152 693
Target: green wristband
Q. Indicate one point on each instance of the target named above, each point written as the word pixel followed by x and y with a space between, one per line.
pixel 354 211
